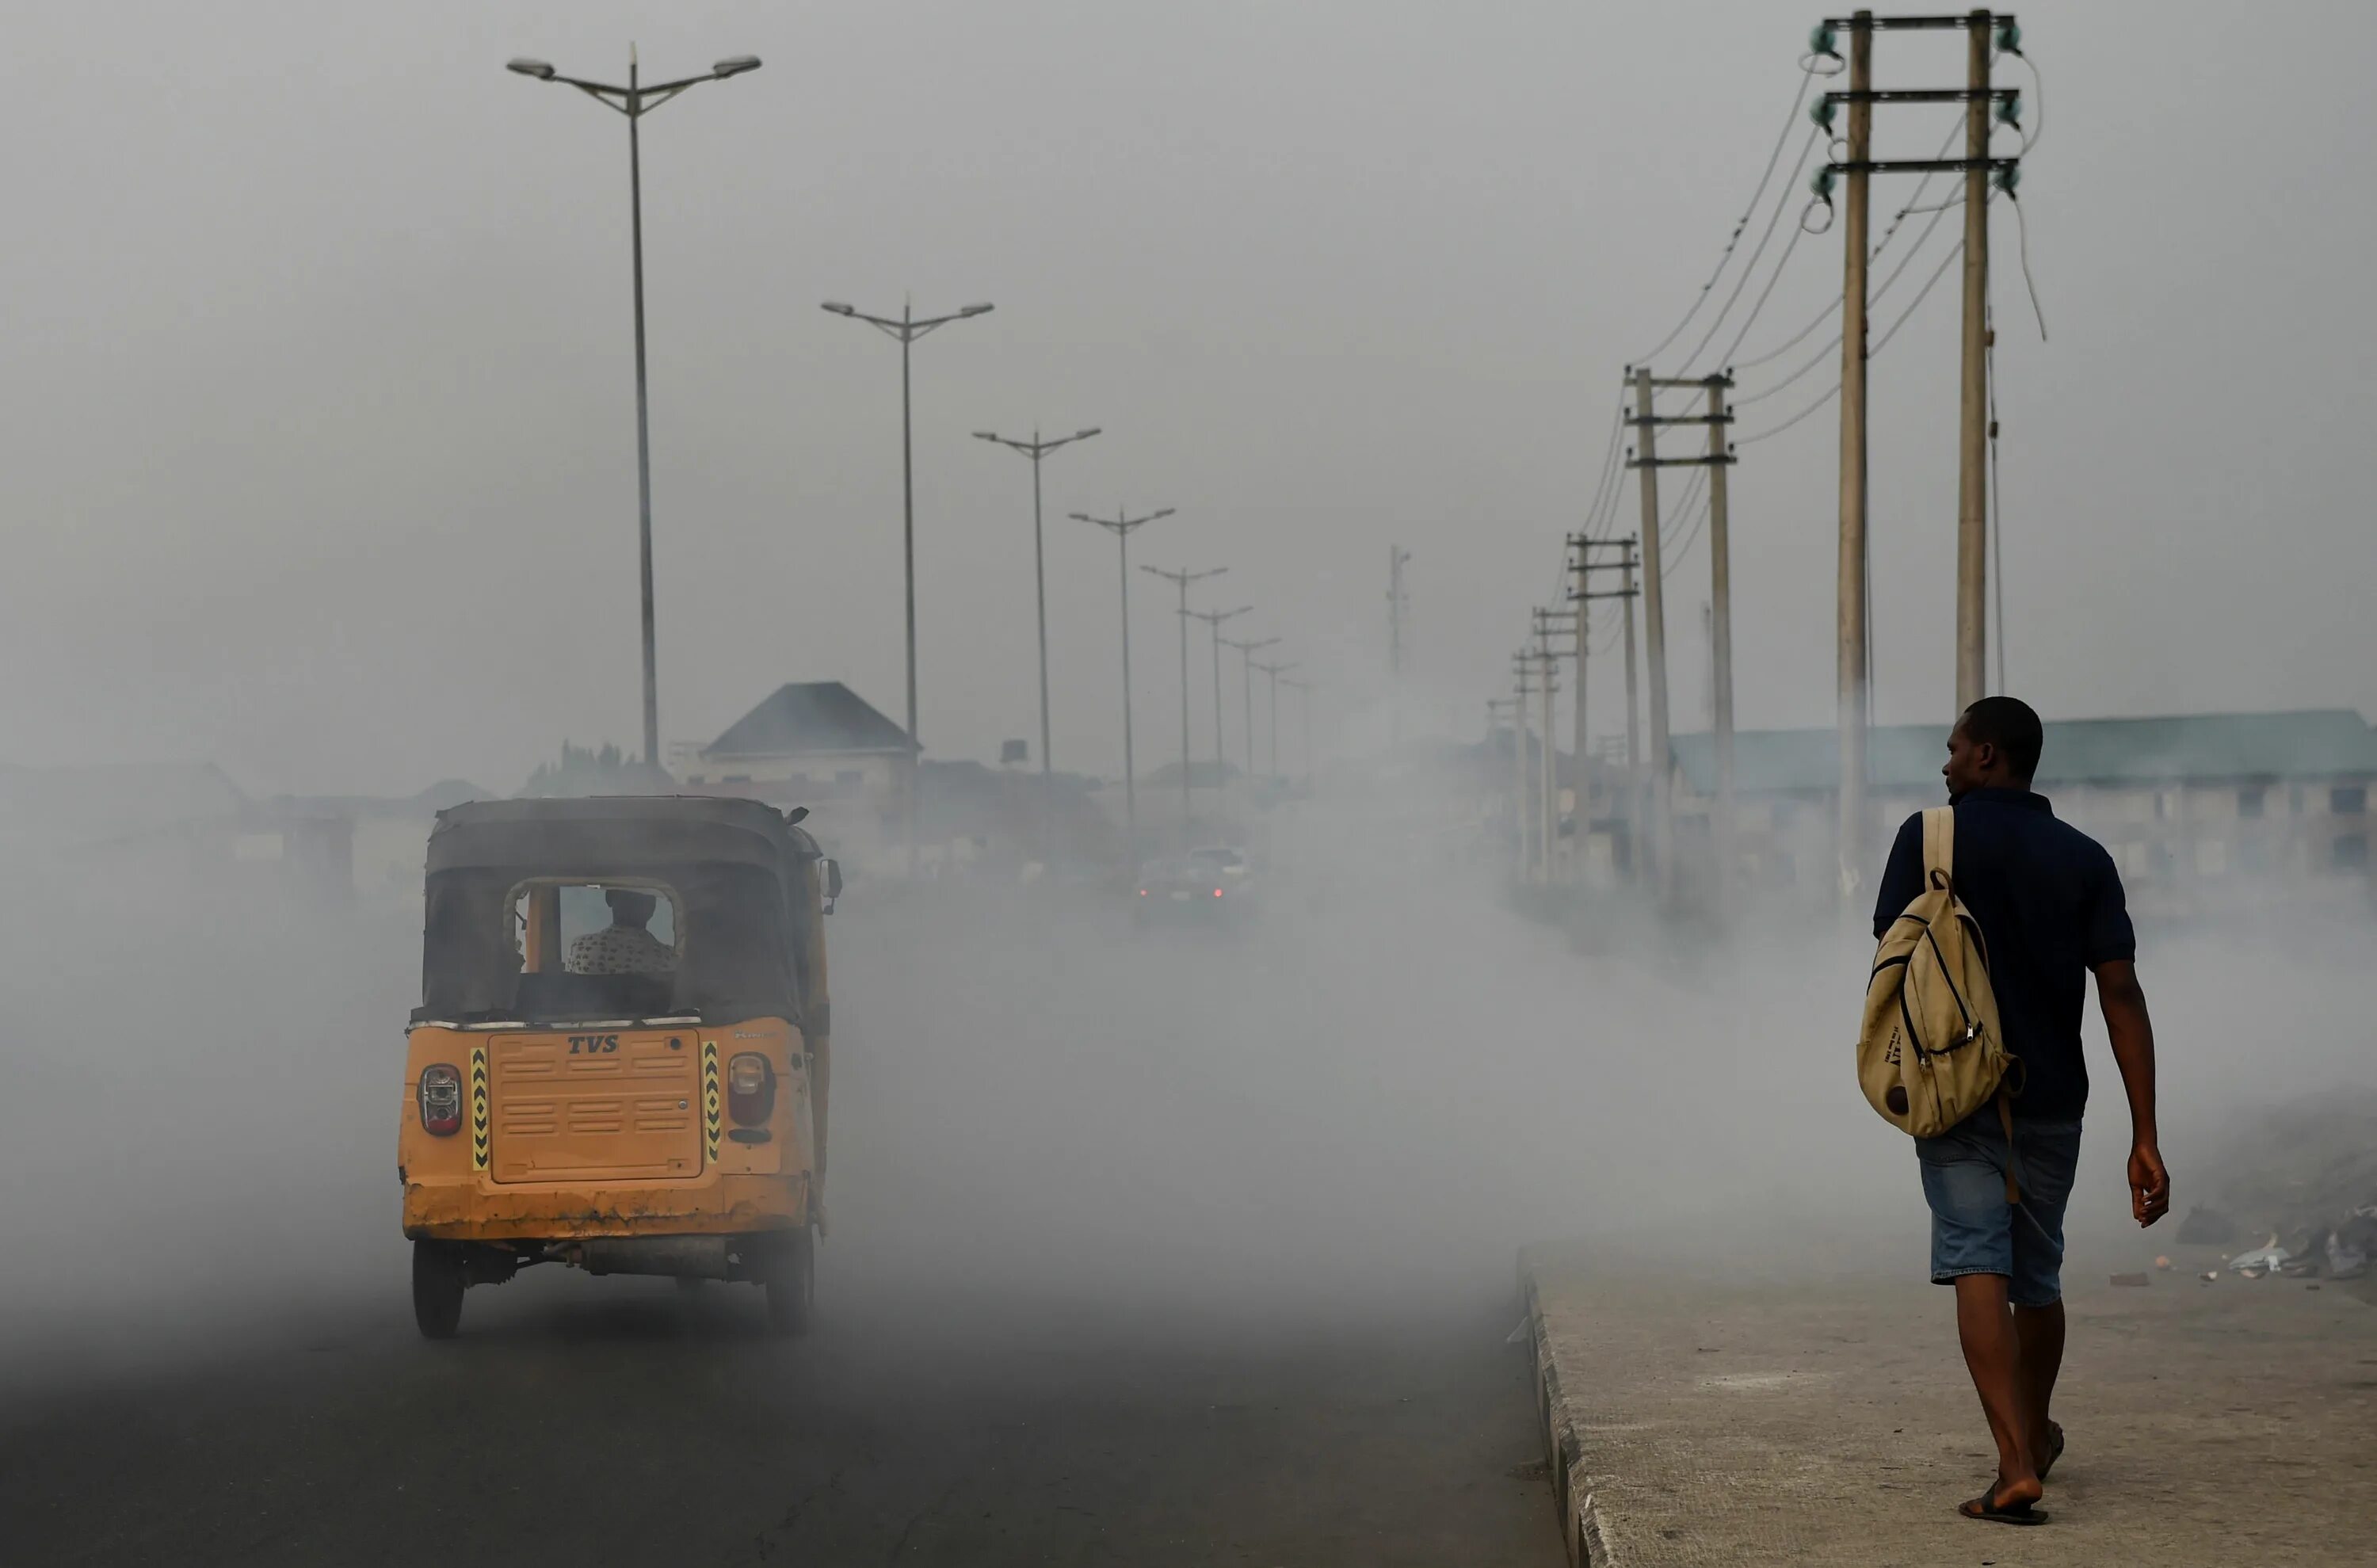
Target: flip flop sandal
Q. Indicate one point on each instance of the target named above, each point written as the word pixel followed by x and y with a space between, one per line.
pixel 2054 1448
pixel 1985 1506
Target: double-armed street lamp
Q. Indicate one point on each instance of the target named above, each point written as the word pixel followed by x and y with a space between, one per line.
pixel 1214 620
pixel 1247 652
pixel 1184 578
pixel 1122 525
pixel 1275 671
pixel 905 329
pixel 1303 690
pixel 1036 449
pixel 634 100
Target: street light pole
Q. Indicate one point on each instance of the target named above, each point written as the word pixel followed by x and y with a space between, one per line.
pixel 1214 620
pixel 1247 652
pixel 905 331
pixel 1184 578
pixel 1303 690
pixel 1275 671
pixel 634 100
pixel 1036 449
pixel 1122 525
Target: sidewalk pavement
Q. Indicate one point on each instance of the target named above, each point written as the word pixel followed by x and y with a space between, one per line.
pixel 1829 1419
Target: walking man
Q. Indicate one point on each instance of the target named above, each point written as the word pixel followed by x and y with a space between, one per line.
pixel 2048 903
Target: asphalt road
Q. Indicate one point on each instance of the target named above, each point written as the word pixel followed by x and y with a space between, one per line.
pixel 1141 1254
pixel 603 1421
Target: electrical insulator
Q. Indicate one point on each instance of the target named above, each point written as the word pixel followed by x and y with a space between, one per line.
pixel 2008 177
pixel 1822 112
pixel 2009 39
pixel 2010 110
pixel 1821 42
pixel 1822 184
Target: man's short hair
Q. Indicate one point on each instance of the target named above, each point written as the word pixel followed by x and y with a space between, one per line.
pixel 632 906
pixel 2011 725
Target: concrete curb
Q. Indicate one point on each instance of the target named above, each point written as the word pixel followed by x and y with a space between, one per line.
pixel 1583 1526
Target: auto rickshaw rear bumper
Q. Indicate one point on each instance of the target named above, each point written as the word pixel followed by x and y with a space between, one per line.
pixel 476 1209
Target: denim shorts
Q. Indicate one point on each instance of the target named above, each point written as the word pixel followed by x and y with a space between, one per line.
pixel 1974 1229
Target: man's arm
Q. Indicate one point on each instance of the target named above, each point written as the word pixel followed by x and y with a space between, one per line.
pixel 2132 1031
pixel 1902 876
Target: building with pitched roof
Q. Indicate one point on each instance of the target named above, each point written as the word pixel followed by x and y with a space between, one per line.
pixel 807 741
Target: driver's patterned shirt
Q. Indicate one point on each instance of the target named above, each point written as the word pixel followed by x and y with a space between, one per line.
pixel 621 950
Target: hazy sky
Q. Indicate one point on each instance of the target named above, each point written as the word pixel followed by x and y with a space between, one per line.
pixel 318 420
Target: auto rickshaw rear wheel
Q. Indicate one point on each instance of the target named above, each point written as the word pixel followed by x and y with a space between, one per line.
pixel 440 1278
pixel 788 1276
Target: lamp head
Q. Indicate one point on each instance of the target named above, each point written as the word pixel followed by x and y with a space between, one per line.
pixel 735 65
pixel 528 68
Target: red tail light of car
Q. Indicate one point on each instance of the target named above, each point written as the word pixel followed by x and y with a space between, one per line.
pixel 750 1088
pixel 441 1101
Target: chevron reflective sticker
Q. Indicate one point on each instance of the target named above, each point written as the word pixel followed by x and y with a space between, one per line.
pixel 711 1109
pixel 480 1130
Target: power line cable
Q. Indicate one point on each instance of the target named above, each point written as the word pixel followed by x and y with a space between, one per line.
pixel 1604 487
pixel 1798 95
pixel 1997 486
pixel 1883 342
pixel 1779 350
pixel 1751 265
pixel 1825 352
pixel 1683 504
pixel 1782 265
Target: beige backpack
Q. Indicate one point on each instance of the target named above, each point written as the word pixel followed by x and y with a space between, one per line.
pixel 1930 1054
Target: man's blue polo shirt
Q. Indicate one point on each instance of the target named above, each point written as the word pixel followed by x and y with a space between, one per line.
pixel 2049 904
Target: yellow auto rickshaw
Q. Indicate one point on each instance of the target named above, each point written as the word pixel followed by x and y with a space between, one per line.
pixel 621 1056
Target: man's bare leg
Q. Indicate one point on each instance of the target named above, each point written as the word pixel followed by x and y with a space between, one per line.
pixel 1984 1328
pixel 2040 1331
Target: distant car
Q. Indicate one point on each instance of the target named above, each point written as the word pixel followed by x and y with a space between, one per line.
pixel 1222 861
pixel 1190 887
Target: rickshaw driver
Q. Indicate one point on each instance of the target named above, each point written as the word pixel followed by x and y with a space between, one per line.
pixel 624 947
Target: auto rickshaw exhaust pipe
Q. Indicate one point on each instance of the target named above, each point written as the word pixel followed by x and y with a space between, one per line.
pixel 682 1257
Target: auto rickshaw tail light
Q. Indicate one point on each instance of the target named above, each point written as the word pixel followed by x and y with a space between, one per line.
pixel 750 1088
pixel 441 1101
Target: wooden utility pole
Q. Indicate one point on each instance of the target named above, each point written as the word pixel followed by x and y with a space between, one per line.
pixel 1494 707
pixel 1647 422
pixel 1721 637
pixel 1654 632
pixel 1397 603
pixel 1849 833
pixel 1634 830
pixel 1580 566
pixel 1972 453
pixel 1972 499
pixel 1548 623
pixel 1583 594
pixel 1522 802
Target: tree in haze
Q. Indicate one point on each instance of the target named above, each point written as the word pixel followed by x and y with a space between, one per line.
pixel 603 770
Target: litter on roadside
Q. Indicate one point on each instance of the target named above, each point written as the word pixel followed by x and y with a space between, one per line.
pixel 2269 1256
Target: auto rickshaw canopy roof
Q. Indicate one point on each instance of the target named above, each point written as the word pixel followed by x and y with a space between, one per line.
pixel 624 834
pixel 736 866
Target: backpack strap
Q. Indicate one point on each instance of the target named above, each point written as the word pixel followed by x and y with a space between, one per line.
pixel 1939 846
pixel 2005 1121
